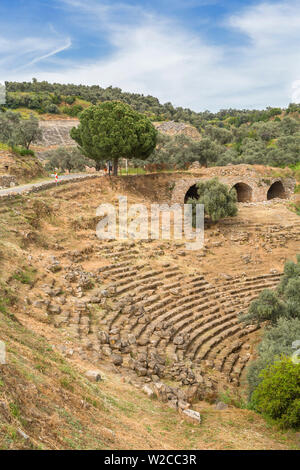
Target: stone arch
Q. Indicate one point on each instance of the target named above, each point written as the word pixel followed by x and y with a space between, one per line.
pixel 244 192
pixel 191 192
pixel 276 190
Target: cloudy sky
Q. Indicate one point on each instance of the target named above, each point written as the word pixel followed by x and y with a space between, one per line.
pixel 201 54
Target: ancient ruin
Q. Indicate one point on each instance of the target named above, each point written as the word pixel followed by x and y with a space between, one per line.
pixel 252 183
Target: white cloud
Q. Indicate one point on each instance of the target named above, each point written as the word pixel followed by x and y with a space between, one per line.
pixel 22 53
pixel 55 51
pixel 156 56
pixel 296 91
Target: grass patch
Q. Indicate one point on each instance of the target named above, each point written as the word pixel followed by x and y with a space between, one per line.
pixel 27 276
pixel 236 401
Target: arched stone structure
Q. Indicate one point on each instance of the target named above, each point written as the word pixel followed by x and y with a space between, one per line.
pixel 191 193
pixel 276 190
pixel 244 192
pixel 251 184
pixel 185 188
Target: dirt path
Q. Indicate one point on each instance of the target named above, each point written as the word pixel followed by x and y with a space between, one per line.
pixel 34 187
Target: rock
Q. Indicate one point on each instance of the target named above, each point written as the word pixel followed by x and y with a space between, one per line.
pixel 131 339
pixel 161 391
pixel 221 406
pixel 148 390
pixel 178 340
pixel 106 351
pixel 173 403
pixel 117 359
pixel 191 415
pixel 94 299
pixel 103 337
pixel 38 304
pixel 23 434
pixel 226 276
pixel 54 267
pixel 54 309
pixel 192 393
pixel 94 375
pixel 183 405
pixel 140 370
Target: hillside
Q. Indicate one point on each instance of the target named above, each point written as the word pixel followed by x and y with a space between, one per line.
pixel 63 291
pixel 268 137
pixel 69 100
pixel 16 169
pixel 56 132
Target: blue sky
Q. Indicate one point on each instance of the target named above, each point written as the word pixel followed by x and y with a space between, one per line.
pixel 201 54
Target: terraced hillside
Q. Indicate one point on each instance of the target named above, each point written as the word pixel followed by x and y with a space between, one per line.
pixel 161 318
pixel 56 132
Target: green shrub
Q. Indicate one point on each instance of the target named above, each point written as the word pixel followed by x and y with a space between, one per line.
pixel 278 394
pixel 70 99
pixel 276 341
pixel 23 152
pixel 284 302
pixel 72 111
pixel 219 202
pixel 268 307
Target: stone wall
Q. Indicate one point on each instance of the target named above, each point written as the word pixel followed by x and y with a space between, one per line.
pixel 7 181
pixel 57 132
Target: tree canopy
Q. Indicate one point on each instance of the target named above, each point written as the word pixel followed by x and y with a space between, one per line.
pixel 64 158
pixel 113 130
pixel 17 131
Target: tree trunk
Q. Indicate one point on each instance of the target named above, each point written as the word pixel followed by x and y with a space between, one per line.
pixel 116 166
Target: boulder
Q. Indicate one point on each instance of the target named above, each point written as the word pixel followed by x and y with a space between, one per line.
pixel 148 390
pixel 192 416
pixel 117 359
pixel 221 406
pixel 94 375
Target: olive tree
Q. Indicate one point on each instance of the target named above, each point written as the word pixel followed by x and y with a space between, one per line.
pixel 17 131
pixel 218 200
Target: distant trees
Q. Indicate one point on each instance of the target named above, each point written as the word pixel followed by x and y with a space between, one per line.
pixel 266 130
pixel 206 151
pixel 72 111
pixel 221 135
pixel 17 131
pixel 19 92
pixel 180 151
pixel 65 158
pixel 171 152
pixel 268 137
pixel 219 202
pixel 113 130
